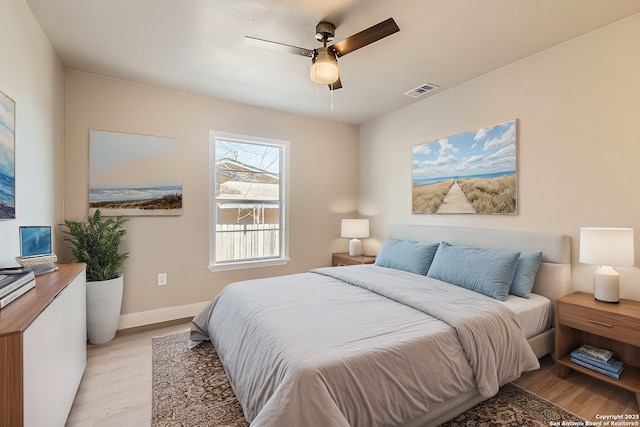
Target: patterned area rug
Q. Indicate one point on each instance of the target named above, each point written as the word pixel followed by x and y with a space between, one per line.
pixel 190 388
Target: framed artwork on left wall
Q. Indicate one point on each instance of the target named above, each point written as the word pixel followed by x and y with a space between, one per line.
pixel 7 157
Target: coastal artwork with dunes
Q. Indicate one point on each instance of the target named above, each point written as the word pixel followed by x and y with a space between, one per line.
pixel 469 173
pixel 134 175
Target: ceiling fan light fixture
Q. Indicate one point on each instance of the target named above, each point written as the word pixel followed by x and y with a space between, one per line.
pixel 324 67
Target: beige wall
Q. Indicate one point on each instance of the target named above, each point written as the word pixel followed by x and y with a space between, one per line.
pixel 579 156
pixel 578 107
pixel 323 184
pixel 32 75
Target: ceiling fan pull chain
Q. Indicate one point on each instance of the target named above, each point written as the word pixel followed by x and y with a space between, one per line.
pixel 331 96
pixel 315 84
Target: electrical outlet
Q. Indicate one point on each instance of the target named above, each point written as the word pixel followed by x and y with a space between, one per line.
pixel 162 279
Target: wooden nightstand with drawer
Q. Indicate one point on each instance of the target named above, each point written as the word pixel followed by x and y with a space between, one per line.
pixel 580 319
pixel 340 259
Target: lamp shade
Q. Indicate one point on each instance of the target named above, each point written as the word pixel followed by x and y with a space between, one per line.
pixel 355 228
pixel 606 246
pixel 324 67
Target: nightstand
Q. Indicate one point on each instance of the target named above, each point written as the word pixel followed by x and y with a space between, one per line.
pixel 580 319
pixel 340 259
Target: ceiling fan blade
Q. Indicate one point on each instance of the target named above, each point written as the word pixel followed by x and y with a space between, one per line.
pixel 281 47
pixel 365 37
pixel 336 85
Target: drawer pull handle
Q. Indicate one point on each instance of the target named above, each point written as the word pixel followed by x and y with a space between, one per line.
pixel 600 323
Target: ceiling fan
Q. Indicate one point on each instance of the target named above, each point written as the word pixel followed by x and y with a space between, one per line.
pixel 324 60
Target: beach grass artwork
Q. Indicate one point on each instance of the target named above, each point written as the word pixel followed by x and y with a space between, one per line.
pixel 134 175
pixel 7 157
pixel 473 172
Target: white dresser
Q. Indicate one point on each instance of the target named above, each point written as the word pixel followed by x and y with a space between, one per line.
pixel 43 350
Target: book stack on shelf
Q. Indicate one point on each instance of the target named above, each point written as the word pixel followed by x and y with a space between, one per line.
pixel 15 284
pixel 597 359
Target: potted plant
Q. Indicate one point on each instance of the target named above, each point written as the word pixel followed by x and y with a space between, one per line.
pixel 96 243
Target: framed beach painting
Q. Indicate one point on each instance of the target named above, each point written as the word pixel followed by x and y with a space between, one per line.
pixel 471 173
pixel 134 175
pixel 7 157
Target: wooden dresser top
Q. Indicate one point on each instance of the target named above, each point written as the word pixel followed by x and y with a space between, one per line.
pixel 18 315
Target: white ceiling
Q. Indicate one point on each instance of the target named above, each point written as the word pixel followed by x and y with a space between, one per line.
pixel 199 46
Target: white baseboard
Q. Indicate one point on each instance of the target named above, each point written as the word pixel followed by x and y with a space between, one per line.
pixel 160 315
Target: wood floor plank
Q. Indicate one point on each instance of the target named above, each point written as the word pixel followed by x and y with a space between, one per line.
pixel 116 387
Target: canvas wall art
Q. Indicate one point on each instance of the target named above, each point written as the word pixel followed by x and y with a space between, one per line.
pixel 134 175
pixel 7 157
pixel 470 173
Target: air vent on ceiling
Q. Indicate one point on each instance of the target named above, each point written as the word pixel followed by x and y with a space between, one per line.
pixel 421 90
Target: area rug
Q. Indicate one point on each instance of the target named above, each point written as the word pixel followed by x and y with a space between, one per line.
pixel 190 388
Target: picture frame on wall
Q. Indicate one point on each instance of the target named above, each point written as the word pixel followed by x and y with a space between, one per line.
pixel 134 175
pixel 7 157
pixel 469 173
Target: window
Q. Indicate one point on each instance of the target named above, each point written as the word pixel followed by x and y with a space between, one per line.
pixel 247 201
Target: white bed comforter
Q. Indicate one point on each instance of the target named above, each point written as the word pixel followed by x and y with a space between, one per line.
pixel 358 346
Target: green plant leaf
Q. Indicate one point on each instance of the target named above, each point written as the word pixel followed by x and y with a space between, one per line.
pixel 96 242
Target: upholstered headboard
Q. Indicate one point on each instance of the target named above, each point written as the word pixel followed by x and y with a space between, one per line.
pixel 554 276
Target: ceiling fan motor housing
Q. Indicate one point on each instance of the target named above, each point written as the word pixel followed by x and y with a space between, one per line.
pixel 325 31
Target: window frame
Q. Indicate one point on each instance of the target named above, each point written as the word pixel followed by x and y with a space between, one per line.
pixel 284 205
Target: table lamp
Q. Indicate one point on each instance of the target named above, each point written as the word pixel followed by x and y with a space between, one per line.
pixel 354 229
pixel 606 247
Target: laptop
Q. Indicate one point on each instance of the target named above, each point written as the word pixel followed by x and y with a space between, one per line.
pixel 35 241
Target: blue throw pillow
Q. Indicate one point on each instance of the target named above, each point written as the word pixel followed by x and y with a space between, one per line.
pixel 489 272
pixel 525 275
pixel 407 255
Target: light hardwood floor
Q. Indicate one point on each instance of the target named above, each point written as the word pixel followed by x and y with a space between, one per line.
pixel 116 388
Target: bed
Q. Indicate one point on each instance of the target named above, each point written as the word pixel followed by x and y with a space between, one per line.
pixel 392 343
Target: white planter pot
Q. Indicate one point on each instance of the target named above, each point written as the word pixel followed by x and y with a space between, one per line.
pixel 104 300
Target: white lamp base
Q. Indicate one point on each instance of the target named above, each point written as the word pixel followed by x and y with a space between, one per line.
pixel 355 247
pixel 606 285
